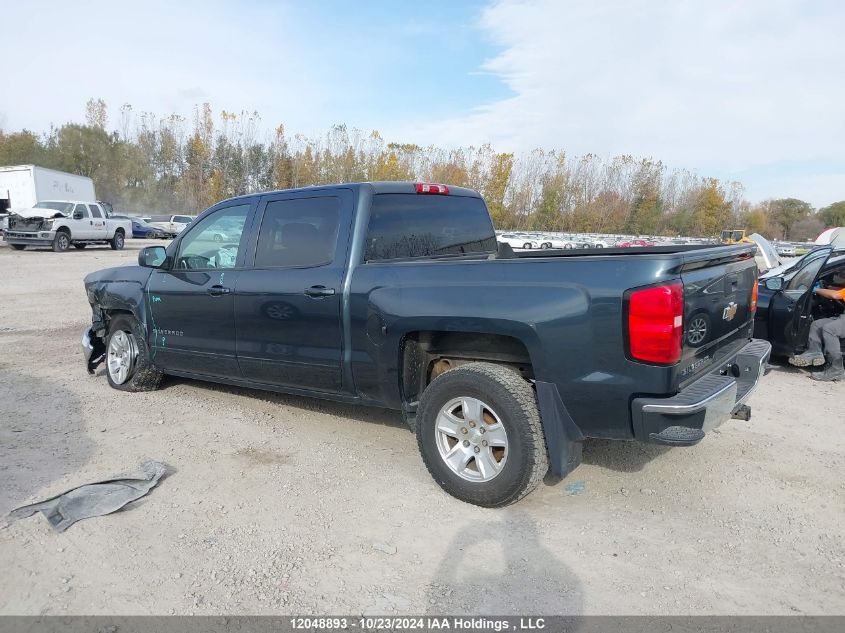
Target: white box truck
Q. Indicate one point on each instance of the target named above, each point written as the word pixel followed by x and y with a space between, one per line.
pixel 23 186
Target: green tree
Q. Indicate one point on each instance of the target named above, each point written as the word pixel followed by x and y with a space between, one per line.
pixel 834 214
pixel 711 211
pixel 496 186
pixel 21 148
pixel 785 212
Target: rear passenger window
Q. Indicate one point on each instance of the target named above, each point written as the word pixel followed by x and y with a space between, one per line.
pixel 412 225
pixel 95 211
pixel 300 232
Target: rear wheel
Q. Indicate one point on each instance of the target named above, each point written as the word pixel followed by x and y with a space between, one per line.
pixel 526 245
pixel 128 363
pixel 18 247
pixel 478 430
pixel 116 242
pixel 61 242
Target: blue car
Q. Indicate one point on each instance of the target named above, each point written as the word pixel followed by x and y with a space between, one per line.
pixel 143 229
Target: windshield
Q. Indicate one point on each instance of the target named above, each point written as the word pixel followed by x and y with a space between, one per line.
pixel 61 207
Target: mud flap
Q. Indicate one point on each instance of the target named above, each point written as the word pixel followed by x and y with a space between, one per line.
pixel 563 437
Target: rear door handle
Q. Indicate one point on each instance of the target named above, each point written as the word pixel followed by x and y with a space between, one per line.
pixel 216 291
pixel 319 291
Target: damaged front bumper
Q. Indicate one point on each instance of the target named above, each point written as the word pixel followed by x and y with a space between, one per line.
pixel 93 349
pixel 30 238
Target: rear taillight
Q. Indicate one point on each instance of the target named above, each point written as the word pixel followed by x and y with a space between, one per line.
pixel 655 323
pixel 427 187
pixel 754 290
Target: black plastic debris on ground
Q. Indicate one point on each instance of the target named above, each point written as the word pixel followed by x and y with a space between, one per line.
pixel 95 499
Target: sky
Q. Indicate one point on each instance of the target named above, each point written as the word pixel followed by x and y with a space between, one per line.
pixel 750 91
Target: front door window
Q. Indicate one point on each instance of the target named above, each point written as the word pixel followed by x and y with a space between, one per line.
pixel 214 242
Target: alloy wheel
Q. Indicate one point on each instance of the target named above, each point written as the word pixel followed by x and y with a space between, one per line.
pixel 471 439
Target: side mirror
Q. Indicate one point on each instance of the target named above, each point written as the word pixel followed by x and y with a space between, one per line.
pixel 152 256
pixel 77 215
pixel 774 283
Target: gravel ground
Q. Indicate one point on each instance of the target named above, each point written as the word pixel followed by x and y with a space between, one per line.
pixel 278 504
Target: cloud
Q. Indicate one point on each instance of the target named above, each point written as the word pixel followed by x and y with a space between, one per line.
pixel 722 84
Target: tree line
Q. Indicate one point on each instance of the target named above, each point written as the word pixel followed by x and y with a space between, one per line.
pixel 144 164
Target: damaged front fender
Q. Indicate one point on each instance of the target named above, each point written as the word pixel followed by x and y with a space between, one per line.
pixel 112 291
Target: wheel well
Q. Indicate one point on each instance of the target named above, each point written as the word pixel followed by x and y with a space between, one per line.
pixel 427 354
pixel 63 229
pixel 118 230
pixel 112 313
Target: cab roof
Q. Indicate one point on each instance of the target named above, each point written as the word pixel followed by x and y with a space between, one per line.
pixel 377 187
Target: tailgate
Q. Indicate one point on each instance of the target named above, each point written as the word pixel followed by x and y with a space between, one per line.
pixel 718 315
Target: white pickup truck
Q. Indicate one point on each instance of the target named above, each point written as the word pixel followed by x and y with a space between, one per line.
pixel 62 223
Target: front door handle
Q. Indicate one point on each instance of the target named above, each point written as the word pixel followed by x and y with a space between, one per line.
pixel 216 291
pixel 319 291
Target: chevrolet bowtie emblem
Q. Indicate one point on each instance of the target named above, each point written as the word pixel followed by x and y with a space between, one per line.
pixel 729 312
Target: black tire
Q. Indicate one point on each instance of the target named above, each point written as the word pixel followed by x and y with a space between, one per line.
pixel 218 238
pixel 18 247
pixel 150 235
pixel 80 247
pixel 513 399
pixel 546 245
pixel 527 245
pixel 61 242
pixel 143 376
pixel 117 241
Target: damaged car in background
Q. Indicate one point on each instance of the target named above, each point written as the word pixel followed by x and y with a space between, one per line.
pixel 397 295
pixel 61 224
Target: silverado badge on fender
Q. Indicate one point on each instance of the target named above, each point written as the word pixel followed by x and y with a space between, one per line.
pixel 729 312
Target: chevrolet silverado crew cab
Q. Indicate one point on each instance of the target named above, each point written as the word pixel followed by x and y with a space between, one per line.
pixel 62 223
pixel 398 295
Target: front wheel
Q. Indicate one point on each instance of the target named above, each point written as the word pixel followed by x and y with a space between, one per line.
pixel 527 245
pixel 116 242
pixel 128 363
pixel 478 430
pixel 61 242
pixel 18 247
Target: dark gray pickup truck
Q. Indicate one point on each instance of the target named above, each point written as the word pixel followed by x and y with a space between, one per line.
pixel 398 295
